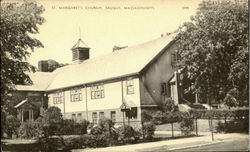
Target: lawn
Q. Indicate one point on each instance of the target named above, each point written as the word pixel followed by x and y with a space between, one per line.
pixel 19 145
pixel 203 126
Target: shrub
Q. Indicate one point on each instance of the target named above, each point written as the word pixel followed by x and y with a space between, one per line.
pixel 97 130
pixel 89 140
pixel 186 125
pixel 72 142
pixel 146 116
pixel 105 132
pixel 60 143
pixel 52 124
pixel 240 126
pixel 67 127
pixel 158 117
pixel 83 126
pixel 53 143
pixel 126 134
pixel 94 141
pixel 109 132
pixel 107 139
pixel 148 129
pixel 167 117
pixel 138 134
pixel 172 117
pixel 168 105
pixel 90 126
pixel 221 127
pixel 106 124
pixel 30 129
pixel 52 120
pixel 12 125
pixel 70 127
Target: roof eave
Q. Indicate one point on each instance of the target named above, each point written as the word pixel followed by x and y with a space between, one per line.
pixel 98 81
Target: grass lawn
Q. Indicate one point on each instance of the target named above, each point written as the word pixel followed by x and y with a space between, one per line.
pixel 203 126
pixel 19 145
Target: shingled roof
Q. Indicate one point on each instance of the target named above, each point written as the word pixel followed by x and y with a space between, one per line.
pixel 127 61
pixel 81 44
pixel 40 80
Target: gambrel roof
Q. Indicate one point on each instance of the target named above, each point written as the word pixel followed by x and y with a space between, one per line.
pixel 124 62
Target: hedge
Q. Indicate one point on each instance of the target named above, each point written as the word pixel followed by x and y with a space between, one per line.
pixel 239 113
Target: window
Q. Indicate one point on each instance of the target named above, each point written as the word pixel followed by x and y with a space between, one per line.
pixel 79 117
pixel 112 115
pixel 94 118
pixel 132 113
pixel 97 91
pixel 101 115
pixel 75 55
pixel 174 58
pixel 58 97
pixel 76 95
pixel 130 86
pixel 74 117
pixel 165 89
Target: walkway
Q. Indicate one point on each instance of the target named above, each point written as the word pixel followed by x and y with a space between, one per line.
pixel 172 144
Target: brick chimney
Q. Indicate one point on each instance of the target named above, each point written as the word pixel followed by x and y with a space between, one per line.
pixel 43 66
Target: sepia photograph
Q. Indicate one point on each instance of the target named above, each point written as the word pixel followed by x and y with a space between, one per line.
pixel 124 75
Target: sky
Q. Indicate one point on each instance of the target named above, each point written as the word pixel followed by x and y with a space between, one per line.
pixel 104 24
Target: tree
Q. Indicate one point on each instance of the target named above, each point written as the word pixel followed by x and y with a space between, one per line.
pixel 12 124
pixel 51 121
pixel 52 65
pixel 19 21
pixel 168 105
pixel 213 48
pixel 231 98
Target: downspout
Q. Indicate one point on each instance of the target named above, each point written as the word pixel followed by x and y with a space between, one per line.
pixel 122 103
pixel 177 86
pixel 64 104
pixel 86 102
pixel 42 103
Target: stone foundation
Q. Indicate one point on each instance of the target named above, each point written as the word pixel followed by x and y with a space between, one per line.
pixel 120 117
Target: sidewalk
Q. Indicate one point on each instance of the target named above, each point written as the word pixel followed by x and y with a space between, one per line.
pixel 172 144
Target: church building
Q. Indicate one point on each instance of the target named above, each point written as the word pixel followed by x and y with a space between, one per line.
pixel 118 85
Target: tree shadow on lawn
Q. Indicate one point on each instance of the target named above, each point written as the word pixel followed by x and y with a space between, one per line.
pixel 161 137
pixel 24 147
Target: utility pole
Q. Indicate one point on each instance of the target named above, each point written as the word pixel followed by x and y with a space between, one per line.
pixel 211 119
